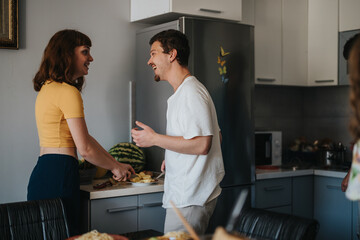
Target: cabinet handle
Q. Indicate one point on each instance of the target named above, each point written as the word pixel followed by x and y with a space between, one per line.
pixel 274 188
pixel 114 210
pixel 333 187
pixel 324 81
pixel 266 79
pixel 210 10
pixel 151 205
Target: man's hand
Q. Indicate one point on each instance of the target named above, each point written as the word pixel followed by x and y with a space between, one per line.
pixel 145 137
pixel 163 166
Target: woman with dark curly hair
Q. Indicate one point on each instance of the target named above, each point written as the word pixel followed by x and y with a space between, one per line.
pixel 61 125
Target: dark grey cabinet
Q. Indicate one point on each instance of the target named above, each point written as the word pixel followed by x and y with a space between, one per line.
pixel 274 195
pixel 151 215
pixel 315 197
pixel 303 196
pixel 119 215
pixel 290 195
pixel 114 215
pixel 332 209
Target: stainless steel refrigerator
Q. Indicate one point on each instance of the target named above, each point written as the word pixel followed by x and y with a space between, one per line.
pixel 222 58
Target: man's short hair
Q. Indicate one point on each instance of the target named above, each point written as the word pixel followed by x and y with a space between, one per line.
pixel 173 39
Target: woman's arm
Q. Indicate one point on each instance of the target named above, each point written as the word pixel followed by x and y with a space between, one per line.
pixel 345 181
pixel 93 152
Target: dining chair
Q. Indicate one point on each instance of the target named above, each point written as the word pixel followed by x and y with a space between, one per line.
pixel 263 224
pixel 33 220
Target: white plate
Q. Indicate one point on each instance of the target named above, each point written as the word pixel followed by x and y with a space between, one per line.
pixel 139 184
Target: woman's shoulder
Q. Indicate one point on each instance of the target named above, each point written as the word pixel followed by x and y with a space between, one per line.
pixel 61 89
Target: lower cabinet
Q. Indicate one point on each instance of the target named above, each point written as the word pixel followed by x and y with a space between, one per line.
pixel 124 214
pixel 332 209
pixel 303 196
pixel 315 197
pixel 274 195
pixel 290 195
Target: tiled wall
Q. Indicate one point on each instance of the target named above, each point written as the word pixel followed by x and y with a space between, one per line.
pixel 312 112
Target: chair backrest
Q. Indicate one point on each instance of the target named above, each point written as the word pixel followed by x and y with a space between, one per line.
pixel 259 223
pixel 38 220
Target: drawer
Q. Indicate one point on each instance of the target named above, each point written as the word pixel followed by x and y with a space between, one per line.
pixel 273 193
pixel 151 213
pixel 114 213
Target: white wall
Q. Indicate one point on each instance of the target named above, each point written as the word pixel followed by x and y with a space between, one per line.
pixel 105 95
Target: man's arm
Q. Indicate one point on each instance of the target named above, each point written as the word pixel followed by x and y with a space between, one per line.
pixel 148 137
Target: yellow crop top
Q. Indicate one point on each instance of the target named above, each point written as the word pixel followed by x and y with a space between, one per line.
pixel 55 103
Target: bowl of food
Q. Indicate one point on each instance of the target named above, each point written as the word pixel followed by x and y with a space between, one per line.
pixel 98 236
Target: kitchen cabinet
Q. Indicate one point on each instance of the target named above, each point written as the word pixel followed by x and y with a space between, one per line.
pixel 355 219
pixel 332 209
pixel 349 17
pixel 158 11
pixel 124 214
pixel 274 195
pixel 281 42
pixel 290 195
pixel 248 12
pixel 268 41
pixel 303 196
pixel 323 42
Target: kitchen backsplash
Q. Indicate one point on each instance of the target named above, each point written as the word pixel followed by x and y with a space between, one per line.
pixel 312 112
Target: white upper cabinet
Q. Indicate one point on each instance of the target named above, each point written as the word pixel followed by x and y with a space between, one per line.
pixel 248 12
pixel 323 42
pixel 268 41
pixel 157 11
pixel 281 42
pixel 295 46
pixel 349 17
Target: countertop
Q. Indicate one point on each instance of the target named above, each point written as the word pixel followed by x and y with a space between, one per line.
pixel 127 189
pixel 262 174
pixel 119 190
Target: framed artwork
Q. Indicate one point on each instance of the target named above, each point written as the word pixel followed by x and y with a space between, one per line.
pixel 9 29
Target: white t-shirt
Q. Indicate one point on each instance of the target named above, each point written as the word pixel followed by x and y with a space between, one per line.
pixel 192 179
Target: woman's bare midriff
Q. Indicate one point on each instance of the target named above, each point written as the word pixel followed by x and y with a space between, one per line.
pixel 65 150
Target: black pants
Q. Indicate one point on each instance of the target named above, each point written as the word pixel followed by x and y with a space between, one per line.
pixel 57 176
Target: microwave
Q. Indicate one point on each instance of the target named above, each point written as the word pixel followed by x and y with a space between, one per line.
pixel 268 148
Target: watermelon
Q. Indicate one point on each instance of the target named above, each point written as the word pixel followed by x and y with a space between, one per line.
pixel 129 153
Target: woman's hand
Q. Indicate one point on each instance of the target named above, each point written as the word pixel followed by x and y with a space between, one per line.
pixel 345 182
pixel 122 171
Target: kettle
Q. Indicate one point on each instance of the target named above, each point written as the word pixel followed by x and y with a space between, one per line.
pixel 332 155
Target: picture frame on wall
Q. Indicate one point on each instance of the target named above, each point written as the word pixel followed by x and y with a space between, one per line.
pixel 9 27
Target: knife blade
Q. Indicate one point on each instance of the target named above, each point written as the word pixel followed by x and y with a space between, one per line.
pixel 161 174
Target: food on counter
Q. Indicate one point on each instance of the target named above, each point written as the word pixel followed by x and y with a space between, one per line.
pixel 95 235
pixel 173 236
pixel 129 153
pixel 109 182
pixel 142 177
